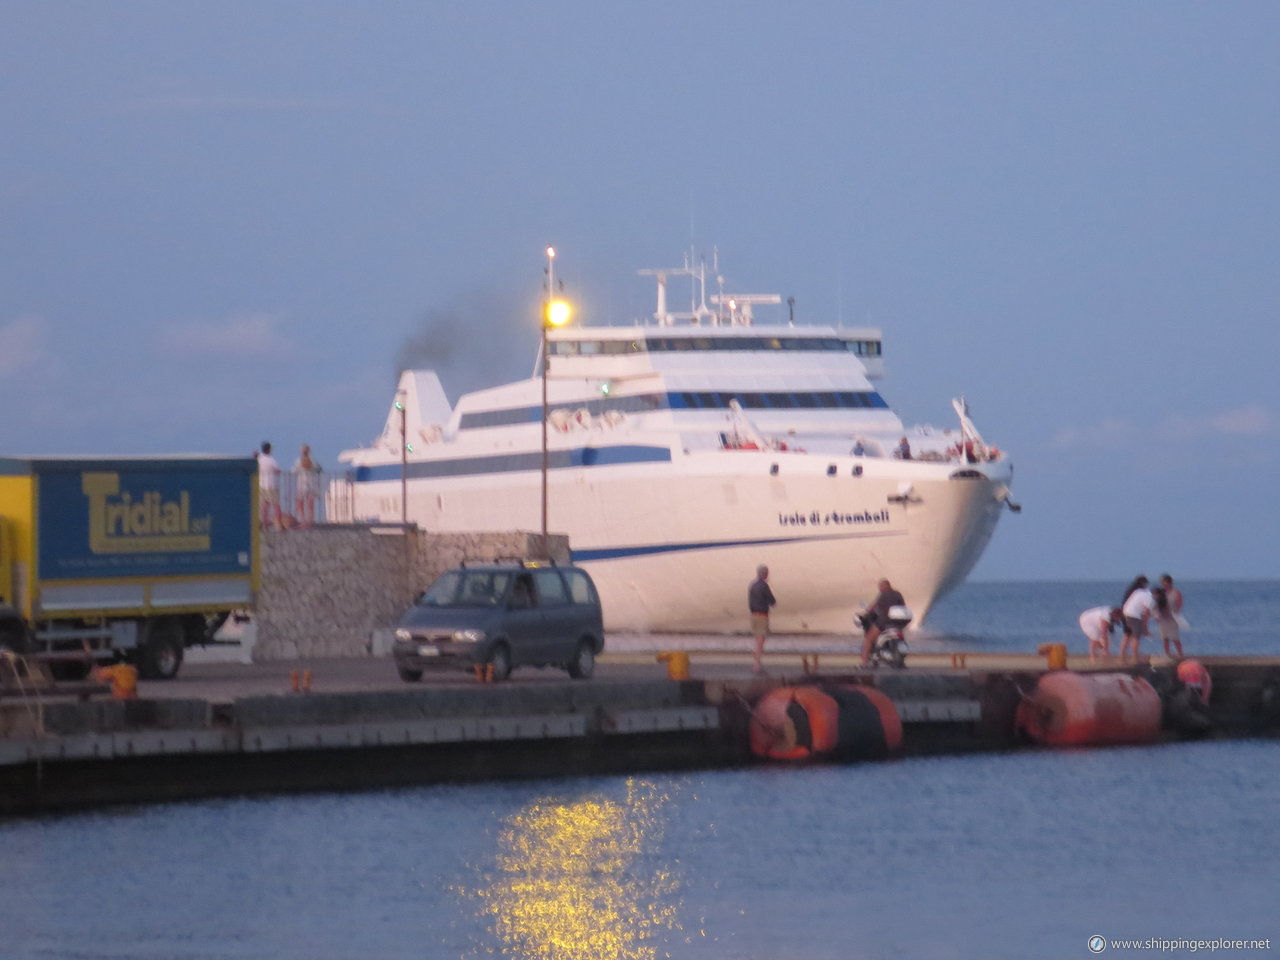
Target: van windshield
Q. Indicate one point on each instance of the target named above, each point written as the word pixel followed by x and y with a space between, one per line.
pixel 468 588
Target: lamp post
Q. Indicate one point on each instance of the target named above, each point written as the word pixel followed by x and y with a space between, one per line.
pixel 404 463
pixel 555 313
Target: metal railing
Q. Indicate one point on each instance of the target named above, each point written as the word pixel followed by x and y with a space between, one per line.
pixel 311 499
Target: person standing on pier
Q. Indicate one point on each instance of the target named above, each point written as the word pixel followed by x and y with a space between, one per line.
pixel 1171 626
pixel 269 488
pixel 1163 613
pixel 306 484
pixel 1139 605
pixel 759 599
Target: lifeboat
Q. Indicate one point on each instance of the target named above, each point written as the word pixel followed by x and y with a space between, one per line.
pixel 1081 709
pixel 806 723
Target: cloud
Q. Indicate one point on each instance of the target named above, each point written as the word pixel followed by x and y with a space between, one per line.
pixel 1250 421
pixel 240 335
pixel 1117 433
pixel 21 345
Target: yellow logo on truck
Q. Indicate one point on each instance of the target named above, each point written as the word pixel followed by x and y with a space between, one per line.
pixel 119 523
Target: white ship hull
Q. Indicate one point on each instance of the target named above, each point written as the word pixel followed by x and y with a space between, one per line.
pixel 673 546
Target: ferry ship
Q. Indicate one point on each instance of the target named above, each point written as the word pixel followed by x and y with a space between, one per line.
pixel 685 450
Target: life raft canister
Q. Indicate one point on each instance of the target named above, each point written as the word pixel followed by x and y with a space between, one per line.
pixel 868 727
pixel 1195 676
pixel 1076 709
pixel 793 723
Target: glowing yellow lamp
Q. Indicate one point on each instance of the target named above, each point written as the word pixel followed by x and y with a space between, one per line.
pixel 558 313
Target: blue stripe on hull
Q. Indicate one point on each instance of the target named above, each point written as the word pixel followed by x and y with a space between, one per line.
pixel 620 553
pixel 515 463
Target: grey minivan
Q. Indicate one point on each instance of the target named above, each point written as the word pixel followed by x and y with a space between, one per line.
pixel 503 615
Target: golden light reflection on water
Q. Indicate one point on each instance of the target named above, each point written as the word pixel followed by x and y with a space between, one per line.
pixel 570 881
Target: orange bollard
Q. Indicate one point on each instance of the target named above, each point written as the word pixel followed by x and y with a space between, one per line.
pixel 677 662
pixel 488 673
pixel 1056 654
pixel 123 679
pixel 293 680
pixel 306 681
pixel 479 673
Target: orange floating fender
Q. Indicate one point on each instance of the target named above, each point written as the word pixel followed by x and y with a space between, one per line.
pixel 869 727
pixel 1195 676
pixel 794 723
pixel 1078 709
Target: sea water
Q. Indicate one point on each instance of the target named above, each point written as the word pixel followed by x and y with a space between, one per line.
pixel 1018 854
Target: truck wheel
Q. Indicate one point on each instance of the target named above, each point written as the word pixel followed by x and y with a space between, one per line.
pixel 407 675
pixel 13 635
pixel 162 649
pixel 583 663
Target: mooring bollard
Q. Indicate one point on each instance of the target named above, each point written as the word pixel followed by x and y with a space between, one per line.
pixel 1056 653
pixel 677 662
pixel 123 679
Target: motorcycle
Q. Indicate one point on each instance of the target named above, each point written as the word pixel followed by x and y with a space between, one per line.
pixel 890 648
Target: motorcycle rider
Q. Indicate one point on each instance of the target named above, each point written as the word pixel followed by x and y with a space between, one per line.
pixel 878 617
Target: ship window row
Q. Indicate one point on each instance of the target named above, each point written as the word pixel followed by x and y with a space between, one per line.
pixel 591 348
pixel 685 400
pixel 825 400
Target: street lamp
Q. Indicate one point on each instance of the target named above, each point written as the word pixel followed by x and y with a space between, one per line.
pixel 555 313
pixel 404 462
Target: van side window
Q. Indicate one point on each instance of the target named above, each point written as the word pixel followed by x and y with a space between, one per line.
pixel 580 587
pixel 522 593
pixel 551 592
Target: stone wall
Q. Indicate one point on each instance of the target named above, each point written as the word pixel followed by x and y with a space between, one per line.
pixel 325 590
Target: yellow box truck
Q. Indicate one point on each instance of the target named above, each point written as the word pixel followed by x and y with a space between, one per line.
pixel 125 558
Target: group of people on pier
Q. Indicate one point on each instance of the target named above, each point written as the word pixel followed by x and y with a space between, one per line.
pixel 305 480
pixel 1142 605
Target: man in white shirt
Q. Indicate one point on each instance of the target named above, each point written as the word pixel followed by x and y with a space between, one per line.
pixel 1138 610
pixel 1097 623
pixel 269 487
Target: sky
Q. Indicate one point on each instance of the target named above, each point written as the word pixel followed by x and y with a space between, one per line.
pixel 234 222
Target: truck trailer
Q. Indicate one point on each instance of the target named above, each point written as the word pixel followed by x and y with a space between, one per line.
pixel 135 558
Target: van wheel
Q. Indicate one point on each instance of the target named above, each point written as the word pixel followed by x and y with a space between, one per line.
pixel 583 663
pixel 500 660
pixel 409 676
pixel 162 649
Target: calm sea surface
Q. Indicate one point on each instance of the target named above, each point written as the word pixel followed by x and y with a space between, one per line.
pixel 1020 855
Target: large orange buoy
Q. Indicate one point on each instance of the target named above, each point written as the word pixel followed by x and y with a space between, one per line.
pixel 1195 677
pixel 794 723
pixel 869 727
pixel 1090 708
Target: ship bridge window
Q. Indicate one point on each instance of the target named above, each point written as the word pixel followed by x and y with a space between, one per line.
pixel 738 343
pixel 590 348
pixel 863 348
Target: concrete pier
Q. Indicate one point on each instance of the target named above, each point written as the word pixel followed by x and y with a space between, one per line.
pixel 232 728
